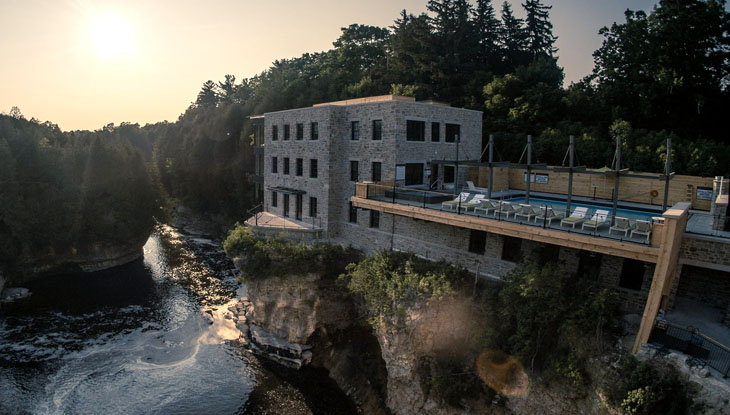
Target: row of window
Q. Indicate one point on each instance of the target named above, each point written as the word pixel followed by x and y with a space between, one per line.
pixel 374 216
pixel 416 131
pixel 297 204
pixel 376 171
pixel 299 166
pixel 313 131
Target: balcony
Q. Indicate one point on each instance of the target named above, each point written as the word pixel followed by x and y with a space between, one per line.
pixel 430 206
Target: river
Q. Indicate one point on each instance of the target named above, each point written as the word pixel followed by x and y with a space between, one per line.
pixel 137 339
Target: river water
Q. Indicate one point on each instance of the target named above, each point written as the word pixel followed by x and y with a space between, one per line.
pixel 136 339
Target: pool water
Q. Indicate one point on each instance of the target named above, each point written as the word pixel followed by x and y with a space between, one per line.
pixel 560 206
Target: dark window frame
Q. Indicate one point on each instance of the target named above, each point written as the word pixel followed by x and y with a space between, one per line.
pixel 415 130
pixel 274 132
pixel 354 170
pixel 411 175
pixel 435 132
pixel 352 217
pixel 452 133
pixel 477 242
pixel 354 130
pixel 629 269
pixel 312 207
pixel 377 130
pixel 274 165
pixel 313 168
pixel 375 219
pixel 274 199
pixel 286 165
pixel 287 132
pixel 511 249
pixel 300 131
pixel 314 131
pixel 376 177
pixel 299 167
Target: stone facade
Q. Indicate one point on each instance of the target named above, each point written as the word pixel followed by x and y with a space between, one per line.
pixel 336 148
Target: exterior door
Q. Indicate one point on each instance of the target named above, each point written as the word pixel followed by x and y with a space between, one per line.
pixel 298 207
pixel 286 205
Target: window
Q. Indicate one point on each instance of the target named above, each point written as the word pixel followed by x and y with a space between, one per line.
pixel 313 207
pixel 453 132
pixel 300 131
pixel 274 132
pixel 477 242
pixel 414 174
pixel 353 214
pixel 286 204
pixel 274 165
pixel 377 171
pixel 374 219
pixel 354 174
pixel 547 253
pixel 286 165
pixel 274 199
pixel 300 167
pixel 286 131
pixel 415 130
pixel 314 131
pixel 313 168
pixel 632 274
pixel 435 132
pixel 377 129
pixel 355 130
pixel 448 174
pixel 511 248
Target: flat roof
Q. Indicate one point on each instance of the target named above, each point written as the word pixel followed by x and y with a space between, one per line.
pixel 365 100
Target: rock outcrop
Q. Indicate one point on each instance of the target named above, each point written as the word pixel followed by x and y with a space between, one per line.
pixel 316 323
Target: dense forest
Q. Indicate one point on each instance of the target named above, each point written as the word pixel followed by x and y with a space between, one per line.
pixel 63 192
pixel 657 75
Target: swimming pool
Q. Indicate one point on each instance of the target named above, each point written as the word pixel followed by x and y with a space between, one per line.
pixel 560 206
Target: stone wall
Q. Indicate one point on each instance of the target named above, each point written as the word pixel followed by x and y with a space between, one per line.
pixel 705 251
pixel 711 287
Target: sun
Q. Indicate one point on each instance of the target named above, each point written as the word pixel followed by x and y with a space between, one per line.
pixel 111 36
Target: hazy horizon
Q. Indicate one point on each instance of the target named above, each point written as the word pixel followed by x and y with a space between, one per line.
pixel 84 64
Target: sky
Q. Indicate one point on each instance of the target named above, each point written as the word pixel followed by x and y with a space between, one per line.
pixel 83 64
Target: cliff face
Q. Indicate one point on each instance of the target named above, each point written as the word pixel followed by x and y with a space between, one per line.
pixel 90 258
pixel 307 309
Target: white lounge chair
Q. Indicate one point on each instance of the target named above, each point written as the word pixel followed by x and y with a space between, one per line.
pixel 643 228
pixel 621 225
pixel 578 216
pixel 505 208
pixel 487 205
pixel 472 188
pixel 599 219
pixel 548 215
pixel 473 203
pixel 453 204
pixel 526 211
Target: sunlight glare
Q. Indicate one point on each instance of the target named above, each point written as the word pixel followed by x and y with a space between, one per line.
pixel 111 36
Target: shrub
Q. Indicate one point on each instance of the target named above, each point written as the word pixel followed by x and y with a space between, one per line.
pixel 391 282
pixel 265 257
pixel 648 390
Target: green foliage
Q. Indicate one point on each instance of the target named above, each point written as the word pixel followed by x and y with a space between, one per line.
pixel 266 257
pixel 63 192
pixel 452 381
pixel 543 315
pixel 648 390
pixel 391 282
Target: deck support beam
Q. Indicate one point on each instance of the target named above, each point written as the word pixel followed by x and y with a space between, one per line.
pixel 675 222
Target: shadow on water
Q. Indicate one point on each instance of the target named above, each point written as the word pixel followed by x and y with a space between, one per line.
pixel 132 339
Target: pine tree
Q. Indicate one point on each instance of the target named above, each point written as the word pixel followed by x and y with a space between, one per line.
pixel 488 28
pixel 208 95
pixel 512 38
pixel 539 30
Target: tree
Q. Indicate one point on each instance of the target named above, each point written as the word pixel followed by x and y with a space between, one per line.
pixel 488 29
pixel 513 38
pixel 227 89
pixel 538 29
pixel 208 95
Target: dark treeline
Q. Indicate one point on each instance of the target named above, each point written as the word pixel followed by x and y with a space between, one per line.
pixel 61 193
pixel 657 75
